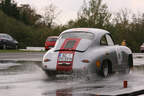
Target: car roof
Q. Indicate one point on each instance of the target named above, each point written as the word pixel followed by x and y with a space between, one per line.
pixel 3 34
pixel 95 31
pixel 53 37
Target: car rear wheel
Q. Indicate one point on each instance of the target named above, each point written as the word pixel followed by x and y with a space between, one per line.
pixel 105 69
pixel 50 74
pixel 16 47
pixel 4 46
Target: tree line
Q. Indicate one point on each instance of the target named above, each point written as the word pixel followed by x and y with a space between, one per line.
pixel 32 29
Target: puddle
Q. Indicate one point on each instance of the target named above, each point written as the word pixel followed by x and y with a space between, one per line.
pixel 28 78
pixel 18 67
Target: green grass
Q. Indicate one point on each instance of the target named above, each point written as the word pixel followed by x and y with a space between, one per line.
pixel 14 51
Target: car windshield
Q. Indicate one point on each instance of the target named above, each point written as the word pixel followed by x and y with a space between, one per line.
pixel 51 39
pixel 2 35
pixel 5 36
pixel 82 35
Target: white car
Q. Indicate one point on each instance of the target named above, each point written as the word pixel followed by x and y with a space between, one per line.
pixel 86 50
pixel 142 48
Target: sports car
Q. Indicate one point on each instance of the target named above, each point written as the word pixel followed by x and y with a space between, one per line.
pixel 86 51
pixel 7 42
pixel 50 42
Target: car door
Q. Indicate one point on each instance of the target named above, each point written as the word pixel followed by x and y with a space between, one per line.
pixel 10 41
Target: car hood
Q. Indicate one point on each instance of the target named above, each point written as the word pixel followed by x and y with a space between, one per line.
pixel 73 44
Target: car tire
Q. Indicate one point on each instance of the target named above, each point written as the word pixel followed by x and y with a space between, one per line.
pixel 16 46
pixel 105 69
pixel 142 51
pixel 50 74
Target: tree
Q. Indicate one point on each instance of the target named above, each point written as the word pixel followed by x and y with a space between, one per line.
pixel 50 15
pixel 95 13
pixel 28 15
pixel 121 24
pixel 137 31
pixel 9 7
pixel 129 29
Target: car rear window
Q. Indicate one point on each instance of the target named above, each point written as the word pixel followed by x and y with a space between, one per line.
pixel 51 39
pixel 82 35
pixel 70 44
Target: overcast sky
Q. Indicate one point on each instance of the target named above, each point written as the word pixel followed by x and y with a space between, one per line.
pixel 69 8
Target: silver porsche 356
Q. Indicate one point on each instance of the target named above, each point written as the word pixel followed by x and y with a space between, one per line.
pixel 87 50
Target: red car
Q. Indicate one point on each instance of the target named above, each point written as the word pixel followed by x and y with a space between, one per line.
pixel 50 42
pixel 142 48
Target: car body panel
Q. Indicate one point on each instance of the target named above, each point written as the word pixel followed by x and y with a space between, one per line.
pixel 142 48
pixel 81 54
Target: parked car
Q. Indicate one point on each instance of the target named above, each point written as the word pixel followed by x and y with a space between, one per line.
pixel 142 48
pixel 87 51
pixel 6 42
pixel 50 42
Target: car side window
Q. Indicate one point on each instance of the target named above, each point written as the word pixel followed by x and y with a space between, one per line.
pixel 8 37
pixel 109 40
pixel 103 41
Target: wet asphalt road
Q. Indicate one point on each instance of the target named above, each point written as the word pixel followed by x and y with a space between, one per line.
pixel 26 78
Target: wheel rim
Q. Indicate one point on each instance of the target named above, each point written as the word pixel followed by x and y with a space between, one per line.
pixel 105 70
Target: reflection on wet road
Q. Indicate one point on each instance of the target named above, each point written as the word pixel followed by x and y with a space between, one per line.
pixel 28 79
